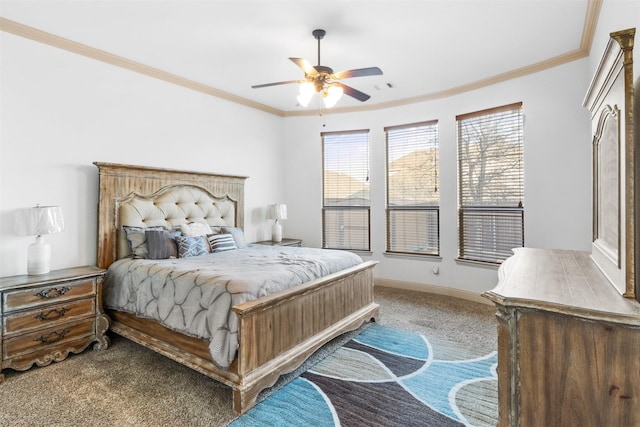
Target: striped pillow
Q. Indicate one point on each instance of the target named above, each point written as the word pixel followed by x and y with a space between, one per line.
pixel 221 242
pixel 238 236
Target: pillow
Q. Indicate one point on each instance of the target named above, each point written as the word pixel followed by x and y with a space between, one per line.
pixel 221 242
pixel 194 229
pixel 161 244
pixel 237 234
pixel 137 239
pixel 191 246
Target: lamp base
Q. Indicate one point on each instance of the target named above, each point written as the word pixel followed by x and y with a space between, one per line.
pixel 39 257
pixel 276 235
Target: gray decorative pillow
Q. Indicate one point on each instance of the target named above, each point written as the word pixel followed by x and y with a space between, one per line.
pixel 191 246
pixel 238 236
pixel 138 240
pixel 221 242
pixel 161 244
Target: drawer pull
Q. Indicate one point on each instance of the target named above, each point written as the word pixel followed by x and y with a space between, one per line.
pixel 53 337
pixel 53 292
pixel 51 314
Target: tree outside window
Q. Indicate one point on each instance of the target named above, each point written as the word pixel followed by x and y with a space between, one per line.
pixel 491 187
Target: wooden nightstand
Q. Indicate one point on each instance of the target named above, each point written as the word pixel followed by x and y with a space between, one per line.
pixel 284 242
pixel 45 317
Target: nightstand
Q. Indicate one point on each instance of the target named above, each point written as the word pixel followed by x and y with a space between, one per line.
pixel 45 317
pixel 284 242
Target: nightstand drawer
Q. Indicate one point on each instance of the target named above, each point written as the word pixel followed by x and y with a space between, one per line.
pixel 16 300
pixel 47 317
pixel 48 337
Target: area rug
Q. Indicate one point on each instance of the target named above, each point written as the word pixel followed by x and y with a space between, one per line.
pixel 387 377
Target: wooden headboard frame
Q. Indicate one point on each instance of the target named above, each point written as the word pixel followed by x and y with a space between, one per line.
pixel 118 181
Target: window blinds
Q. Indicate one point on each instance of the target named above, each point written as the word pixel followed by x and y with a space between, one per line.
pixel 491 187
pixel 412 189
pixel 346 195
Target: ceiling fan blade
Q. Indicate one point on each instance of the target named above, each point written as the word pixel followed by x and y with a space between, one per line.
pixel 305 65
pixel 355 93
pixel 277 83
pixel 360 72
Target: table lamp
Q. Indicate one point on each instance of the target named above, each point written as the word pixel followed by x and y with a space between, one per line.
pixel 37 221
pixel 277 212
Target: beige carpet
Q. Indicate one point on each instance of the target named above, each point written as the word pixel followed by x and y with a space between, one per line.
pixel 128 385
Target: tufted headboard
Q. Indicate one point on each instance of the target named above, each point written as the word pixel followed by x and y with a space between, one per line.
pixel 144 196
pixel 170 207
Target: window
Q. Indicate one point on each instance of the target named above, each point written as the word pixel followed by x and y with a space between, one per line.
pixel 412 189
pixel 346 201
pixel 490 183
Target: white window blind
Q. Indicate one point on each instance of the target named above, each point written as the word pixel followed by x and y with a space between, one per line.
pixel 491 183
pixel 413 196
pixel 346 195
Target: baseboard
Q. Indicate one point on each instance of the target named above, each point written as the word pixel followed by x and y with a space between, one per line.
pixel 432 289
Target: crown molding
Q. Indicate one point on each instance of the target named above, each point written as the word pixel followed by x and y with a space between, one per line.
pixel 34 34
pixel 21 30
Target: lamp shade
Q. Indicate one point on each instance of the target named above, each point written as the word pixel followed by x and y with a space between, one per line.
pixel 332 95
pixel 306 92
pixel 39 220
pixel 277 212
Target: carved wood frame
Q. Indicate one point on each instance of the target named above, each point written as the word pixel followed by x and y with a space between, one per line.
pixel 611 97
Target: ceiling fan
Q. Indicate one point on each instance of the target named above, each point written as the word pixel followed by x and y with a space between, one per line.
pixel 322 79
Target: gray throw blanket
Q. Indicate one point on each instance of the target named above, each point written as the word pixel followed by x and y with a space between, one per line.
pixel 195 295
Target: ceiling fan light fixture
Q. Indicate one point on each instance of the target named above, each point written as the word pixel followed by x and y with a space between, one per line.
pixel 322 79
pixel 305 93
pixel 332 95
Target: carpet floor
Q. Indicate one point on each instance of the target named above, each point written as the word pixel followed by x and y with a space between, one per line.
pixel 129 385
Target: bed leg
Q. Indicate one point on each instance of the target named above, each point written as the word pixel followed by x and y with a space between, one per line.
pixel 244 400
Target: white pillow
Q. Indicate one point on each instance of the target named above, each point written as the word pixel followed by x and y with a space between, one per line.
pixel 195 229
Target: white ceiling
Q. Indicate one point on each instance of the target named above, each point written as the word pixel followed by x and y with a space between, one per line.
pixel 423 47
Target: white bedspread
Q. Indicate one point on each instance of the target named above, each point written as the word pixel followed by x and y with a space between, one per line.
pixel 195 295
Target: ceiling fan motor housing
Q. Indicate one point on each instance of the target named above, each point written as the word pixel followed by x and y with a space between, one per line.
pixel 319 34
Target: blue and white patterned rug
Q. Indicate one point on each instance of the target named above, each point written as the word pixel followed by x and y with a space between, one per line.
pixel 386 377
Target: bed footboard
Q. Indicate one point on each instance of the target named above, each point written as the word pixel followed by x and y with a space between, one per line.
pixel 279 332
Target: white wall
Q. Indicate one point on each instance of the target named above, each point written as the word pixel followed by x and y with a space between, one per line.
pixel 557 172
pixel 60 112
pixel 557 163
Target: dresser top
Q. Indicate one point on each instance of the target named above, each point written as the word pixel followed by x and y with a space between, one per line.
pixel 561 281
pixel 12 282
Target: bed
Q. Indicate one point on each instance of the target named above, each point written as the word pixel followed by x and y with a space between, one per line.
pixel 276 332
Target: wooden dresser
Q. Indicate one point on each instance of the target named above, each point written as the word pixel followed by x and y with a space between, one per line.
pixel 568 343
pixel 45 317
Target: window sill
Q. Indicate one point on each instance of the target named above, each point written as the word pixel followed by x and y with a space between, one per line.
pixel 355 251
pixel 434 258
pixel 470 263
pixel 365 253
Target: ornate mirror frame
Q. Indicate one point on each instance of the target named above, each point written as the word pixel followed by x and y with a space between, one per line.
pixel 610 100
